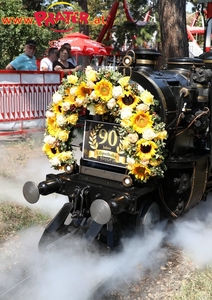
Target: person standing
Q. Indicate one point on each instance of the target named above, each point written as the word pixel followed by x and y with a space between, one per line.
pixel 46 63
pixel 62 64
pixel 25 61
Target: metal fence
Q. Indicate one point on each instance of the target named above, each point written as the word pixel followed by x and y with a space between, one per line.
pixel 24 98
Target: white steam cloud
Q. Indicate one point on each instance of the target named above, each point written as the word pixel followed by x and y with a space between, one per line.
pixel 193 234
pixel 73 272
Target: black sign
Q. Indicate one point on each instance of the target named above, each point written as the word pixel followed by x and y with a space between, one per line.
pixel 102 143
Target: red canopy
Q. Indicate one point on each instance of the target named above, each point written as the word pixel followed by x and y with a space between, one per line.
pixel 81 44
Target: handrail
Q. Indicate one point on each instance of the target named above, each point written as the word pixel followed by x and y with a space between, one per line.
pixel 24 98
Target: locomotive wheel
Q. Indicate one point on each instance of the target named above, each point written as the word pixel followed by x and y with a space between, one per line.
pixel 148 217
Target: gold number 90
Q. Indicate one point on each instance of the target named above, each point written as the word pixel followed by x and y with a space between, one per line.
pixel 110 137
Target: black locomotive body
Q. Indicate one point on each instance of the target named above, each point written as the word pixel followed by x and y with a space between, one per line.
pixel 104 203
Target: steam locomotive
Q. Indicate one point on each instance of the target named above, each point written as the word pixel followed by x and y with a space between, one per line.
pixel 104 202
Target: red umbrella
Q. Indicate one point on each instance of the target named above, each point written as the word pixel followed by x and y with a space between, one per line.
pixel 81 44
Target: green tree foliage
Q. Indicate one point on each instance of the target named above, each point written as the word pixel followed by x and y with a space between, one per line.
pixel 34 5
pixel 14 36
pixel 123 31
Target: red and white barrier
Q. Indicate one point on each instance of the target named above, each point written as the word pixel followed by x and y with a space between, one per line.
pixel 24 98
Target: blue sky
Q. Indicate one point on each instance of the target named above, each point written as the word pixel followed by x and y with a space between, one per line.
pixel 189 6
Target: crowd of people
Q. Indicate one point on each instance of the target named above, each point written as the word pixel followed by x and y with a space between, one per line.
pixel 57 60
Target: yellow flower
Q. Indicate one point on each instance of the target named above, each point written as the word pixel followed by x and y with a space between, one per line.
pixel 162 135
pixel 72 119
pixel 141 121
pixel 125 123
pixel 124 81
pixel 72 79
pixel 83 90
pixel 125 142
pixel 52 130
pixel 146 149
pixel 65 155
pixel 51 125
pixel 103 89
pixel 91 76
pixel 100 109
pixel 67 91
pixel 56 107
pixel 70 99
pixel 155 162
pixel 140 172
pixel 147 97
pixel 51 120
pixel 62 135
pixel 129 100
pixel 50 151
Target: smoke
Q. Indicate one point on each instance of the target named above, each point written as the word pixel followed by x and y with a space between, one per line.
pixel 192 233
pixel 35 170
pixel 73 272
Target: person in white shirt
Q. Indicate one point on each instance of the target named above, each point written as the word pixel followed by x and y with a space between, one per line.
pixel 46 63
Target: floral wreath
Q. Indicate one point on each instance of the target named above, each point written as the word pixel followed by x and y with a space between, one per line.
pixel 107 92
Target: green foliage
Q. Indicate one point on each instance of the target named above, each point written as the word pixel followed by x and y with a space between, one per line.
pixel 13 37
pixel 34 5
pixel 196 287
pixel 14 217
pixel 123 31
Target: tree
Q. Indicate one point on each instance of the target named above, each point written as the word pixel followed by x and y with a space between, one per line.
pixel 32 5
pixel 172 19
pixel 13 36
pixel 123 30
pixel 83 27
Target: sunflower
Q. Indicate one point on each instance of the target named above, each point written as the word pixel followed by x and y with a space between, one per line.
pixel 146 149
pixel 129 100
pixel 83 90
pixel 50 151
pixel 51 125
pixel 103 89
pixel 141 121
pixel 57 107
pixel 140 172
pixel 52 130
